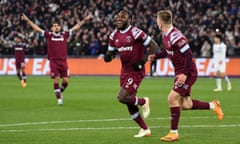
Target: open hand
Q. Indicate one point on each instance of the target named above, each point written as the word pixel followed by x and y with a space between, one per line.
pixel 24 17
pixel 87 18
pixel 151 57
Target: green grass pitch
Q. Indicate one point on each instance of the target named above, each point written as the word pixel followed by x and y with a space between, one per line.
pixel 92 115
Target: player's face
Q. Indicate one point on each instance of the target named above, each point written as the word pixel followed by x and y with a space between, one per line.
pixel 216 40
pixel 17 40
pixel 56 28
pixel 122 21
pixel 159 23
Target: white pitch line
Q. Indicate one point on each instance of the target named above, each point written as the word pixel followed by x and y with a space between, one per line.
pixel 99 120
pixel 114 128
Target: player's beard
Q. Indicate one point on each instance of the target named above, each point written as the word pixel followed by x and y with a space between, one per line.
pixel 57 31
pixel 124 26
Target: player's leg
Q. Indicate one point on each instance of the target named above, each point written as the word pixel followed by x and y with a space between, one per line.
pixel 127 95
pixel 24 77
pixel 19 74
pixel 229 85
pixel 175 100
pixel 218 82
pixel 125 98
pixel 193 104
pixel 175 110
pixel 130 84
pixel 55 75
pixel 56 87
pixel 135 115
pixel 224 76
pixel 64 73
pixel 57 90
pixel 64 83
pixel 132 103
pixel 18 69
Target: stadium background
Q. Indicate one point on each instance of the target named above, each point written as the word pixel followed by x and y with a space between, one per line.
pixel 91 113
pixel 197 19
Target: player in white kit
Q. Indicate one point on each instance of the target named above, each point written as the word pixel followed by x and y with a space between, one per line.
pixel 219 59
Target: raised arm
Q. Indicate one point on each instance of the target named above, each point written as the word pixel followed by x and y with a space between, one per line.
pixel 33 25
pixel 79 25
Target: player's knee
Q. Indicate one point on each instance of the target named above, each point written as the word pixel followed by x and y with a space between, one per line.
pixel 186 105
pixel 172 101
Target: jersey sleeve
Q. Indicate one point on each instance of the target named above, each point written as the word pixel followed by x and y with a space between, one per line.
pixel 138 34
pixel 67 33
pixel 111 46
pixel 179 41
pixel 45 34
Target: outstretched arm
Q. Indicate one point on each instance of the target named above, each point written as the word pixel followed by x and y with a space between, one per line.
pixel 157 55
pixel 153 48
pixel 79 25
pixel 33 25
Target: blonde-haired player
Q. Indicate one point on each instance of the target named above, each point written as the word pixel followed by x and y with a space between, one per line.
pixel 219 59
pixel 177 49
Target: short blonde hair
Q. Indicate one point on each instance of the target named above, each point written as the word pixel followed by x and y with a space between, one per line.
pixel 165 16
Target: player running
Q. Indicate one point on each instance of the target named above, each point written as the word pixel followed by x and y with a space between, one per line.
pixel 219 59
pixel 57 52
pixel 19 54
pixel 177 49
pixel 131 42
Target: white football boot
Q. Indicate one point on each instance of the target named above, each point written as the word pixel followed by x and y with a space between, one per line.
pixel 143 133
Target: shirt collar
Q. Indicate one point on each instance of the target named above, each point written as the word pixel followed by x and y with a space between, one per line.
pixel 169 30
pixel 124 31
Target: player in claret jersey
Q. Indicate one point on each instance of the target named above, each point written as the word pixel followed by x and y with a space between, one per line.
pixel 131 43
pixel 57 52
pixel 177 49
pixel 19 53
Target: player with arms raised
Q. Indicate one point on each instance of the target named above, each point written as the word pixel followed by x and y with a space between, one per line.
pixel 57 52
pixel 131 44
pixel 19 53
pixel 177 49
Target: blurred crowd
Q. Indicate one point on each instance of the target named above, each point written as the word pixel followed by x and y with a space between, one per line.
pixel 197 19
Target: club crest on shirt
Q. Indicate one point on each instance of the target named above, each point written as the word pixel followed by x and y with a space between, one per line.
pixel 128 39
pixel 185 86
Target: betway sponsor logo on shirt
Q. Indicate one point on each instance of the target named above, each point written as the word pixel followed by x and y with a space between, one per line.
pixel 18 48
pixel 57 39
pixel 121 49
